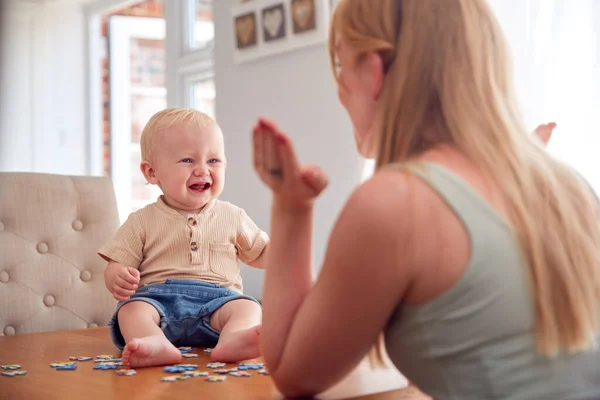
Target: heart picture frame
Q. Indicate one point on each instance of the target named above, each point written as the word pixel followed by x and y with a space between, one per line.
pixel 273 22
pixel 303 16
pixel 245 30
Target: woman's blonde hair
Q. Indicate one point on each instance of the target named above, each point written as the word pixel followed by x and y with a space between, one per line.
pixel 447 71
pixel 171 117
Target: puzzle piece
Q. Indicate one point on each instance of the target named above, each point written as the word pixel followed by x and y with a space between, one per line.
pixel 180 368
pixel 224 371
pixel 64 364
pixel 263 372
pixel 66 367
pixel 105 357
pixel 244 366
pixel 14 373
pixel 126 372
pixel 10 367
pixel 207 351
pixel 215 365
pixel 175 378
pixel 194 374
pixel 106 366
pixel 216 378
pixel 99 360
pixel 240 374
pixel 80 358
pixel 189 355
pixel 185 349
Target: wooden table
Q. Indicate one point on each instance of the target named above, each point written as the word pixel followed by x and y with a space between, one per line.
pixel 34 352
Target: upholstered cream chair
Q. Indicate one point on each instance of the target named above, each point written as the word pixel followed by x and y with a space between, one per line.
pixel 51 226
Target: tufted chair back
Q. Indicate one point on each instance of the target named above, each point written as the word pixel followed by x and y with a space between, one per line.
pixel 51 227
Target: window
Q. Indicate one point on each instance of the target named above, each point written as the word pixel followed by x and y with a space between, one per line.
pixel 190 45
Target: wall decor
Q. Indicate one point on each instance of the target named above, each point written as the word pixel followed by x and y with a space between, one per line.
pixel 264 28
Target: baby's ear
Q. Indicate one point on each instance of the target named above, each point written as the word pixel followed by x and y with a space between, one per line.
pixel 148 172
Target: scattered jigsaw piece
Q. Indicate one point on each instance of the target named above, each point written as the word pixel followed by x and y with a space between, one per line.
pixel 80 358
pixel 180 368
pixel 175 378
pixel 215 365
pixel 244 366
pixel 241 374
pixel 189 355
pixel 216 378
pixel 225 371
pixel 14 373
pixel 99 360
pixel 66 367
pixel 106 366
pixel 106 357
pixel 126 372
pixel 263 371
pixel 10 367
pixel 208 351
pixel 185 349
pixel 64 364
pixel 194 374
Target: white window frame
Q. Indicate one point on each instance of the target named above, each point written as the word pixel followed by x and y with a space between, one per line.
pixel 185 65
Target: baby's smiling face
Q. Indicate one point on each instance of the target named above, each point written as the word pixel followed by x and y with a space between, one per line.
pixel 188 164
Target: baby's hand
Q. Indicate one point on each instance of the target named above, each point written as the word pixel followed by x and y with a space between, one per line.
pixel 121 281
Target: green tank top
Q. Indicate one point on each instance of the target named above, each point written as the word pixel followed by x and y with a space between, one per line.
pixel 475 341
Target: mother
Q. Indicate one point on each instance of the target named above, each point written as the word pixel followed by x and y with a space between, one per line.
pixel 471 249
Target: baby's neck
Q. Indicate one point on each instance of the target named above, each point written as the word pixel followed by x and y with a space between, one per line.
pixel 185 213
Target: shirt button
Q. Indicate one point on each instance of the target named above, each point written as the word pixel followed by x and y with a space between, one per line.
pixel 194 246
pixel 192 221
pixel 85 276
pixel 42 248
pixel 4 277
pixel 49 300
pixel 77 225
pixel 9 330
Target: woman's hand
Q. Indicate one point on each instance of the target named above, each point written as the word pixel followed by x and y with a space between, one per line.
pixel 275 161
pixel 544 132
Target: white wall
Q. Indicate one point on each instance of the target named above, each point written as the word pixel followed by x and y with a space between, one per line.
pixel 42 85
pixel 298 91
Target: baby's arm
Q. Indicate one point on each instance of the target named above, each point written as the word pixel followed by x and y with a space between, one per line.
pixel 124 255
pixel 120 280
pixel 252 242
pixel 261 261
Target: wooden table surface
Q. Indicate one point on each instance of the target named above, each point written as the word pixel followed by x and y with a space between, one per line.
pixel 35 352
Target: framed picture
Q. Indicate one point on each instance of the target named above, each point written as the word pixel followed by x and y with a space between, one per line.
pixel 245 30
pixel 263 28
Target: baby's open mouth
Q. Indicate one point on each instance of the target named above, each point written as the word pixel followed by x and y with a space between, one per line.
pixel 200 187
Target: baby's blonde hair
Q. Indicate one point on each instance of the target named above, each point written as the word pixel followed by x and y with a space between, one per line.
pixel 168 118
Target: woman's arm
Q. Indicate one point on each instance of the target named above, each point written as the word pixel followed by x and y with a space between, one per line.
pixel 312 336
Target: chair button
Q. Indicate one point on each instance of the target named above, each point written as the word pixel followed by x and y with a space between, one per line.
pixel 85 276
pixel 9 330
pixel 92 325
pixel 49 300
pixel 4 277
pixel 42 248
pixel 77 225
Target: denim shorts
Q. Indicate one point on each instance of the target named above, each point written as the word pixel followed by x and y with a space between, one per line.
pixel 184 307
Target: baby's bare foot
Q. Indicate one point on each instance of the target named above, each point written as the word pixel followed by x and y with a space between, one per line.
pixel 237 346
pixel 150 351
